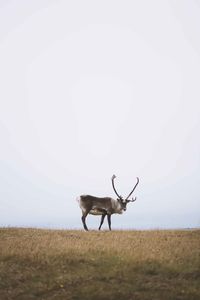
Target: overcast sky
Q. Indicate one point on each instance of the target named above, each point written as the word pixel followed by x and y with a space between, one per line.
pixel 89 89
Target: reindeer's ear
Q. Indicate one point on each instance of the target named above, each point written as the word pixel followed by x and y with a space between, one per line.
pixel 120 199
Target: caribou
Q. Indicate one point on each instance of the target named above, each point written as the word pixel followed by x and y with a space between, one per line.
pixel 105 206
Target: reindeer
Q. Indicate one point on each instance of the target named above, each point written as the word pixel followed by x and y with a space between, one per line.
pixel 105 206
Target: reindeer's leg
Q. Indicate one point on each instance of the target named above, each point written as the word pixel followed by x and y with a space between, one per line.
pixel 109 221
pixel 102 219
pixel 85 213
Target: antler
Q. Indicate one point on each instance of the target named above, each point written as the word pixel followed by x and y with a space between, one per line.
pixel 113 185
pixel 133 191
pixel 133 199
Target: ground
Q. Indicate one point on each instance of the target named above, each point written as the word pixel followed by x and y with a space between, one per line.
pixel 73 264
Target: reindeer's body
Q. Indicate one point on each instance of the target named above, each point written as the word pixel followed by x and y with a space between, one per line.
pixel 103 206
pixel 98 206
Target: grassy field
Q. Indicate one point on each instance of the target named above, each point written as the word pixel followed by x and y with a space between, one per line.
pixel 65 264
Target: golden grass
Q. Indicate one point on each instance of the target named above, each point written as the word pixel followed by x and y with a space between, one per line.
pixel 69 264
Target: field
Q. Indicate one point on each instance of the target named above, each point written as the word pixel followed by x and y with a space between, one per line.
pixel 72 264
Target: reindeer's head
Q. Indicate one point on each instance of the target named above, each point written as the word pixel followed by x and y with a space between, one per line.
pixel 123 202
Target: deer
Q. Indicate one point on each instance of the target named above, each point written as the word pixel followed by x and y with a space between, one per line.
pixel 105 206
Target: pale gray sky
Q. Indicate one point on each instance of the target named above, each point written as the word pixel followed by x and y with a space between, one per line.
pixel 89 89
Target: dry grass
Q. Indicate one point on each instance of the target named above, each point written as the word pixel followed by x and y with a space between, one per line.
pixel 53 264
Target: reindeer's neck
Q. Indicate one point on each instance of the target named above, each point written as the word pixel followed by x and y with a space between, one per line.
pixel 116 206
